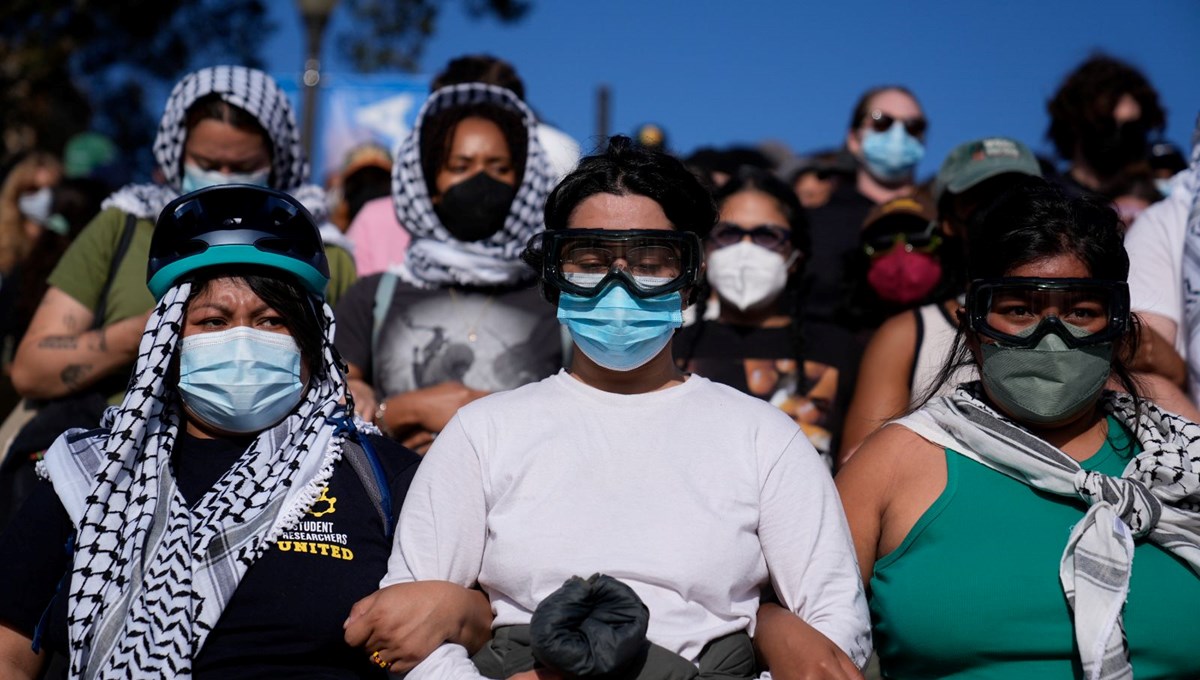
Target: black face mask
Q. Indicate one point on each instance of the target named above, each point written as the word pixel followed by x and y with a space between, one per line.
pixel 475 209
pixel 1110 149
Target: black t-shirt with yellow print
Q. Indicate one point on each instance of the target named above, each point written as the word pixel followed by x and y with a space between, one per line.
pixel 285 617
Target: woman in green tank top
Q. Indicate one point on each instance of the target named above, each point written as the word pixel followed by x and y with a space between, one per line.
pixel 996 528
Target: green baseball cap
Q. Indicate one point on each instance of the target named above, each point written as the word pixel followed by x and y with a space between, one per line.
pixel 969 164
pixel 87 152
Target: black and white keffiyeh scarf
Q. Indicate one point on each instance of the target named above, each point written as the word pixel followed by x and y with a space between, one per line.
pixel 1157 497
pixel 435 258
pixel 151 575
pixel 250 90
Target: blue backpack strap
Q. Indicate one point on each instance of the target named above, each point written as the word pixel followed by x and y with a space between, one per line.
pixel 360 453
pixel 383 302
pixel 59 591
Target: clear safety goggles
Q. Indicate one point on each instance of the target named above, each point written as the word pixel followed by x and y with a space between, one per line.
pixel 648 262
pixel 1020 311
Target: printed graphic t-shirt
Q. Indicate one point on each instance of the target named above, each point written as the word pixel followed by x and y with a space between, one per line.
pixel 485 339
pixel 285 618
pixel 762 362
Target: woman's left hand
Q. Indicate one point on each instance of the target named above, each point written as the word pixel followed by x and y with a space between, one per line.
pixel 794 650
pixel 405 622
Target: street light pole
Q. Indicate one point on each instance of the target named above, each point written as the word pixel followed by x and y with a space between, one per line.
pixel 603 110
pixel 316 16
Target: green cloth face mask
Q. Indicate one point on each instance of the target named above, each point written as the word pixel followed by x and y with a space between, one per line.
pixel 1048 383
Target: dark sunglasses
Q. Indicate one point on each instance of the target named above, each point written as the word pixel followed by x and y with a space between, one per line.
pixel 882 122
pixel 768 236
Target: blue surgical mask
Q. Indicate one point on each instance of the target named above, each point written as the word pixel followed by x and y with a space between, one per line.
pixel 892 156
pixel 240 380
pixel 1164 186
pixel 195 178
pixel 618 330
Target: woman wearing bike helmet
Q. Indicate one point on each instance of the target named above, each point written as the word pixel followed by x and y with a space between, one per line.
pixel 694 495
pixel 216 524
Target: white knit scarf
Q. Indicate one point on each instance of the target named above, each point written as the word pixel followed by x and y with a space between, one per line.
pixel 1157 496
pixel 152 575
pixel 435 258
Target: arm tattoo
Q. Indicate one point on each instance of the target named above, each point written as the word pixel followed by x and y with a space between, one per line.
pixel 73 374
pixel 58 342
pixel 100 342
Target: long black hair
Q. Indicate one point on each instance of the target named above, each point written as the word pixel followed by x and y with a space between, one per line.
pixel 1032 221
pixel 625 167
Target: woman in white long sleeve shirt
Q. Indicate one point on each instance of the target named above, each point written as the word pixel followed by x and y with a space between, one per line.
pixel 696 496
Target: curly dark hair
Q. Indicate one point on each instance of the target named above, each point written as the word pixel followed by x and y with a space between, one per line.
pixel 1087 97
pixel 626 167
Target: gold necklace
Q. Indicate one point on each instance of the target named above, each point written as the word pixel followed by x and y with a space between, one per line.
pixel 472 335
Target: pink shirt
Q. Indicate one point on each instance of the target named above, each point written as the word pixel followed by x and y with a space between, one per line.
pixel 379 240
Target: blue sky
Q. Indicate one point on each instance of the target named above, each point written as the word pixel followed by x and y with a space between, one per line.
pixel 716 72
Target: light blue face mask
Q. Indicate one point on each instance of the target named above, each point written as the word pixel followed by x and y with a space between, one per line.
pixel 195 179
pixel 618 330
pixel 892 156
pixel 1164 186
pixel 240 380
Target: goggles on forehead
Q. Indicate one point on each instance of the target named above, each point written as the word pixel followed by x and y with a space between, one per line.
pixel 1020 311
pixel 648 262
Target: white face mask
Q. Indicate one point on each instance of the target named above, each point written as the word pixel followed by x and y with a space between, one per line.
pixel 195 179
pixel 747 275
pixel 36 205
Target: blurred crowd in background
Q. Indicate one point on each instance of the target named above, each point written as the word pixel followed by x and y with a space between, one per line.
pixel 840 316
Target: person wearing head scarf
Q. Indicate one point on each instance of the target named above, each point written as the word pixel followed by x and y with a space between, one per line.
pixel 221 125
pixel 228 513
pixel 459 317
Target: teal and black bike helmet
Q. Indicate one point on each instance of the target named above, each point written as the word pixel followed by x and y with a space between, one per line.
pixel 236 224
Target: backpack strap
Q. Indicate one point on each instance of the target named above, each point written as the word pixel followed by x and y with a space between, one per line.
pixel 384 293
pixel 361 454
pixel 118 257
pixel 60 590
